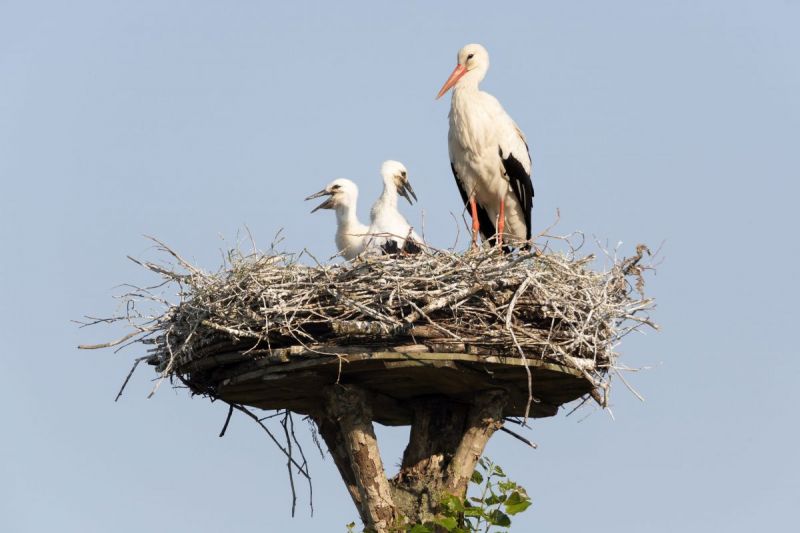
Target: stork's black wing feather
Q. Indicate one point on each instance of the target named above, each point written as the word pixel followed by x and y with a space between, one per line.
pixel 411 246
pixel 484 220
pixel 391 247
pixel 521 184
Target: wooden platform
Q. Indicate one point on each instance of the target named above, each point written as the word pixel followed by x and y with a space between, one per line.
pixel 394 378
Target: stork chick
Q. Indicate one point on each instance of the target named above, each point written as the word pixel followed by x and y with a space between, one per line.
pixel 351 235
pixel 389 230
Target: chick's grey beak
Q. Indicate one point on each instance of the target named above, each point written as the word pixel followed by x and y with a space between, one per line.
pixel 323 192
pixel 327 204
pixel 405 189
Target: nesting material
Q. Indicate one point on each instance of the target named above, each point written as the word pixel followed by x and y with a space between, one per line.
pixel 531 309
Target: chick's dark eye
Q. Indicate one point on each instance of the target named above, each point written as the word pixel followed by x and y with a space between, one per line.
pixel 336 187
pixel 470 56
pixel 403 173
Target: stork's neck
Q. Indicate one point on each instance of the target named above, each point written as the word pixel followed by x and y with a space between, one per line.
pixel 469 82
pixel 466 86
pixel 465 98
pixel 346 216
pixel 388 197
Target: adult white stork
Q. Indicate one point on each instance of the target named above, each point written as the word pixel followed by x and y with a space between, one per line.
pixel 389 230
pixel 488 155
pixel 351 235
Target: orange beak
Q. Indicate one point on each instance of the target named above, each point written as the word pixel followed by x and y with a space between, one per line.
pixel 458 72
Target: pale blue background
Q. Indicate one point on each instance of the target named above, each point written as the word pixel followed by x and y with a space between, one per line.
pixel 649 122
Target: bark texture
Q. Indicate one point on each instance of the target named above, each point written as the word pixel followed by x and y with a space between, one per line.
pixel 329 430
pixel 436 432
pixel 484 418
pixel 447 437
pixel 349 408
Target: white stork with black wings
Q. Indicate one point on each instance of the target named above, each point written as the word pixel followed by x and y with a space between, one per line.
pixel 488 155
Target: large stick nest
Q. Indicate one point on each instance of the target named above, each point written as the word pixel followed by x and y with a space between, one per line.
pixel 547 305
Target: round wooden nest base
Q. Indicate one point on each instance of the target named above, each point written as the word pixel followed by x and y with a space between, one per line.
pixel 395 378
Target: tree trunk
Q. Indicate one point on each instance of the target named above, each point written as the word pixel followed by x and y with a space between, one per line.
pixel 446 440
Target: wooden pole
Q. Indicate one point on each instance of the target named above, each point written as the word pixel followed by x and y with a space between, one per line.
pixel 349 408
pixel 332 435
pixel 485 417
pixel 446 440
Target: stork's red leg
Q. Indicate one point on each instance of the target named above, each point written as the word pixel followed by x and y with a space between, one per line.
pixel 475 224
pixel 501 222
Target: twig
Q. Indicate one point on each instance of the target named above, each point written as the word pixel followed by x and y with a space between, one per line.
pixel 128 378
pixel 519 437
pixel 227 421
pixel 272 437
pixel 509 315
pixel 129 336
pixel 305 462
pixel 628 385
pixel 289 460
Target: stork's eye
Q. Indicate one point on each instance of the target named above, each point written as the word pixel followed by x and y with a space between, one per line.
pixel 336 187
pixel 470 56
pixel 403 173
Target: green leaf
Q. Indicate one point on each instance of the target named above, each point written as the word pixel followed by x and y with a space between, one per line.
pixel 447 522
pixel 515 508
pixel 452 504
pixel 498 471
pixel 419 528
pixel 477 477
pixel 494 499
pixel 471 524
pixel 473 511
pixel 514 498
pixel 499 518
pixel 506 486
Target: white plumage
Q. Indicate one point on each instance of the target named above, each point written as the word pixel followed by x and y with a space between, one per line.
pixel 389 230
pixel 488 154
pixel 351 234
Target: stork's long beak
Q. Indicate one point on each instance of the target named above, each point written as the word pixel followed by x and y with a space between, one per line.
pixel 327 204
pixel 404 189
pixel 458 72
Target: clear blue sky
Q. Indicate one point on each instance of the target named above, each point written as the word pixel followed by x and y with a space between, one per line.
pixel 648 122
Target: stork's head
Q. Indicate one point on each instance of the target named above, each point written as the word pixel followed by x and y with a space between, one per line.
pixel 395 175
pixel 341 193
pixel 472 64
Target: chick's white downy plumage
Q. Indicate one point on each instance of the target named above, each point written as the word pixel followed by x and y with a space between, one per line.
pixel 488 154
pixel 389 230
pixel 351 234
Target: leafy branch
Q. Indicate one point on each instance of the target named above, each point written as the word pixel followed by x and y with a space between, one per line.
pixel 499 499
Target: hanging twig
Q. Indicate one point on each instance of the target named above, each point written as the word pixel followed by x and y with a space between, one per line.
pixel 272 437
pixel 519 437
pixel 289 461
pixel 227 421
pixel 128 378
pixel 305 462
